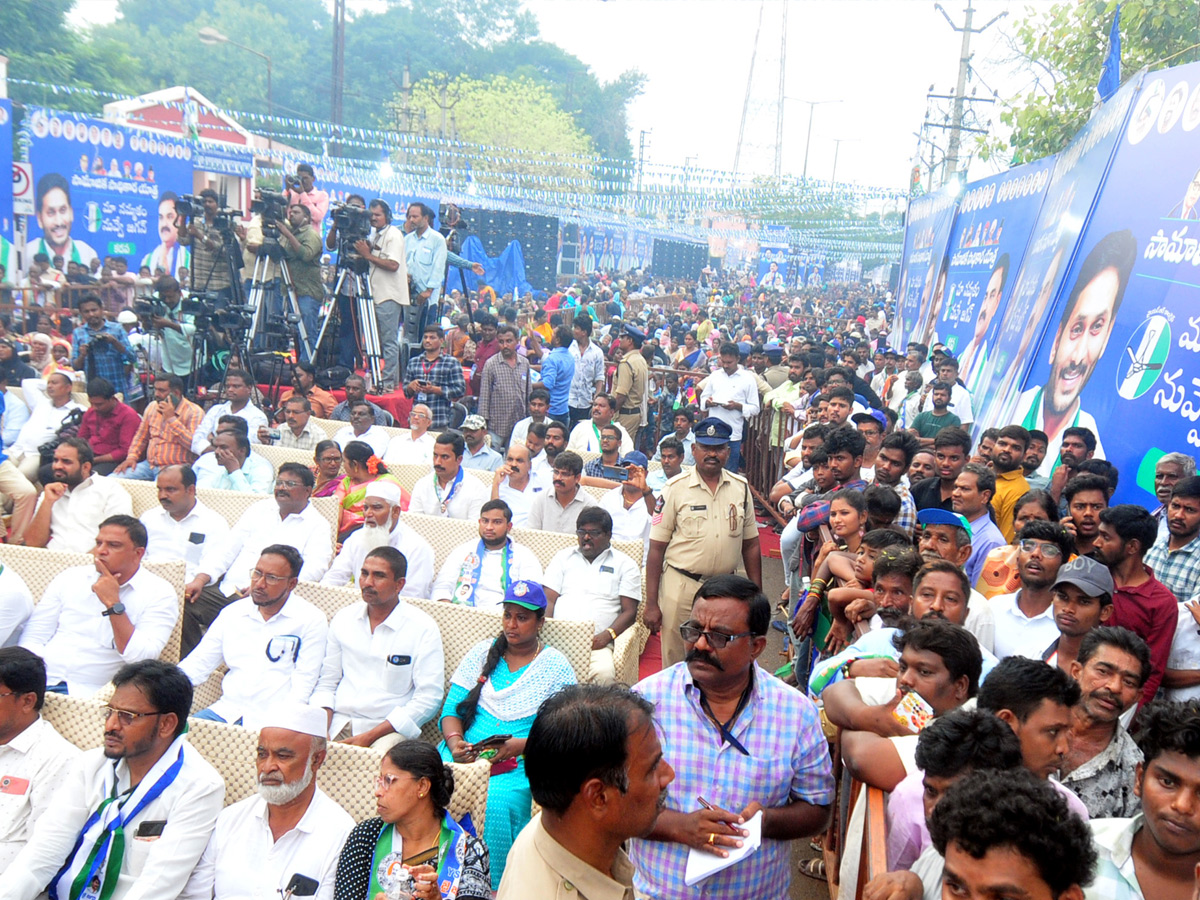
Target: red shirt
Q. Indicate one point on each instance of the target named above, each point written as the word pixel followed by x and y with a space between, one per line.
pixel 1151 612
pixel 110 434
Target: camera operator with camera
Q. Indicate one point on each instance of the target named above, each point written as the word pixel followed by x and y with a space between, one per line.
pixel 385 250
pixel 347 345
pixel 300 189
pixel 173 329
pixel 102 348
pixel 302 249
pixel 207 237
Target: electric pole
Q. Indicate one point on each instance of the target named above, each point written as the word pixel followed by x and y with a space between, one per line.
pixel 642 142
pixel 339 61
pixel 783 36
pixel 964 67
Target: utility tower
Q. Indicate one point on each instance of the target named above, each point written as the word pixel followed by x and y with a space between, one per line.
pixel 964 67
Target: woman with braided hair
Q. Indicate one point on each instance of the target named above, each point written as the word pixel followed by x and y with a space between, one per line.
pixel 495 693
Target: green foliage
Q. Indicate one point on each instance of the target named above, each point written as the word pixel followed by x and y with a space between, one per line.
pixel 1065 47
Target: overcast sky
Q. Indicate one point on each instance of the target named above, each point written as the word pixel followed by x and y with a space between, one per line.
pixel 877 57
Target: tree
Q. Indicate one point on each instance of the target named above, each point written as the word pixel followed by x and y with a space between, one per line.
pixel 1065 48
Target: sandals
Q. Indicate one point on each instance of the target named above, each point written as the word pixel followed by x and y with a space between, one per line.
pixel 813 868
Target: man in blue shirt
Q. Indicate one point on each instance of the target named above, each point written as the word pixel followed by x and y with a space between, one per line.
pixel 558 370
pixel 102 348
pixel 425 253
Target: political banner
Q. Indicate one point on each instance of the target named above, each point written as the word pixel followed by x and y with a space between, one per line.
pixel 1121 352
pixel 987 244
pixel 224 159
pixel 6 181
pixel 104 189
pixel 773 258
pixel 1025 381
pixel 643 250
pixel 923 265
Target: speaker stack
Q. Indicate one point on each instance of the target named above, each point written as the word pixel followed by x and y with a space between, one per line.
pixel 678 259
pixel 537 235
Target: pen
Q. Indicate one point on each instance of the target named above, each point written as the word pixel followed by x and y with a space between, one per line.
pixel 704 802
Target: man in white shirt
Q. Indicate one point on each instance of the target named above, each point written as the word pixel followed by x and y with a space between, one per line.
pixel 362 427
pixel 539 409
pixel 49 405
pixel 239 387
pixel 594 582
pixel 272 642
pixel 233 467
pixel 448 491
pixel 515 483
pixel 588 379
pixel 180 527
pixel 386 251
pixel 170 799
pixel 731 395
pixel 537 441
pixel 290 827
pixel 476 573
pixel 224 572
pixel 558 509
pixel 415 446
pixel 585 436
pixel 94 618
pixel 16 604
pixel 15 415
pixel 34 757
pixel 72 506
pixel 382 528
pixel 384 670
pixel 631 503
pixel 1025 619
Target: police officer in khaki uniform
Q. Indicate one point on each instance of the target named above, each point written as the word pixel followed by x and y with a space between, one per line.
pixel 702 526
pixel 631 382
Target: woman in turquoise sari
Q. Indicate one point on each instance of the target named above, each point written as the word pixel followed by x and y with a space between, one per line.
pixel 496 691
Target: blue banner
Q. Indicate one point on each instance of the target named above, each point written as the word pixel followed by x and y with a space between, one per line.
pixel 923 270
pixel 987 245
pixel 102 189
pixel 6 182
pixel 224 159
pixel 773 259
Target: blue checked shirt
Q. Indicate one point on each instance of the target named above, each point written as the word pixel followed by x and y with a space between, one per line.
pixel 446 373
pixel 789 760
pixel 1178 569
pixel 907 517
pixel 103 360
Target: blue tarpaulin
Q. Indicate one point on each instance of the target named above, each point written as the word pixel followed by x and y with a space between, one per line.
pixel 505 273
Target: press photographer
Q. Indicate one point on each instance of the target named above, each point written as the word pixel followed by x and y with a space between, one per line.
pixel 300 188
pixel 302 251
pixel 102 348
pixel 350 223
pixel 385 250
pixel 210 236
pixel 172 330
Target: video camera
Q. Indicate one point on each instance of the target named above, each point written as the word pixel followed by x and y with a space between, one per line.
pixel 353 224
pixel 271 205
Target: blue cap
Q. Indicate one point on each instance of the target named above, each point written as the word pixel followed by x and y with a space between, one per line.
pixel 528 594
pixel 635 458
pixel 712 432
pixel 637 334
pixel 744 347
pixel 871 415
pixel 938 516
pixel 861 400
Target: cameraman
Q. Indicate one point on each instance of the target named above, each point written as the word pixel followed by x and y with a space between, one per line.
pixel 302 250
pixel 385 249
pixel 347 344
pixel 173 330
pixel 102 348
pixel 300 190
pixel 426 259
pixel 210 262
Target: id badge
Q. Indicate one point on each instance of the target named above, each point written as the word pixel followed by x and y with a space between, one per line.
pixel 422 398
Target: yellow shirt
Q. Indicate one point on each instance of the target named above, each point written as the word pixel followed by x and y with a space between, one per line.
pixel 1010 487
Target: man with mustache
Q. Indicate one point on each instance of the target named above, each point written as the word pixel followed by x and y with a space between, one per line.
pixel 597 769
pixel 558 510
pixel 1087 320
pixel 1025 619
pixel 289 827
pixel 718 712
pixel 448 491
pixel 170 256
pixel 382 528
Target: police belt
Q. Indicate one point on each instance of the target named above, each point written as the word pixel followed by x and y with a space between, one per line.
pixel 693 575
pixel 630 411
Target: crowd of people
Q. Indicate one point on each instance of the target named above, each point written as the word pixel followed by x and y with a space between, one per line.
pixel 975 629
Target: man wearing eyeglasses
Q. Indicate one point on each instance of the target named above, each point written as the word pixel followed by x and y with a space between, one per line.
pixel 92 619
pixel 594 582
pixel 272 642
pixel 1025 619
pixel 718 714
pixel 132 818
pixel 415 446
pixel 224 572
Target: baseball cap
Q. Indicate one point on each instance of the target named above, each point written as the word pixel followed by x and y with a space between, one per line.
pixel 871 415
pixel 474 422
pixel 635 458
pixel 528 594
pixel 937 516
pixel 1090 576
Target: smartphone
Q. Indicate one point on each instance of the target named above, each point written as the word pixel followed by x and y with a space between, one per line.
pixel 274 434
pixel 615 473
pixel 496 740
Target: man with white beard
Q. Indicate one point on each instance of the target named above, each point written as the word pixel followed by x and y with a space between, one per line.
pixel 382 528
pixel 289 829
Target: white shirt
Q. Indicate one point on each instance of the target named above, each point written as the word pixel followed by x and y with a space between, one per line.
pixel 592 590
pixel 1185 654
pixel 33 763
pixel 520 501
pixel 151 869
pixel 388 243
pixel 417 551
pixel 68 631
pixel 395 673
pixel 375 437
pixel 185 539
pixel 16 604
pixel 960 404
pixel 540 465
pixel 308 531
pixel 585 437
pixel 76 516
pixel 521 430
pixel 16 414
pixel 243 861
pixel 632 524
pixel 403 449
pixel 1016 633
pixel 255 418
pixel 44 417
pixel 466 503
pixel 271 661
pixel 740 386
pixel 489 595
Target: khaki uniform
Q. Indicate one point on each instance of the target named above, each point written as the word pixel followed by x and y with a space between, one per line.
pixel 540 867
pixel 631 381
pixel 704 533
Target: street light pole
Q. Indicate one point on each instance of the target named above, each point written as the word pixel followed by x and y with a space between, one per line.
pixel 212 37
pixel 808 140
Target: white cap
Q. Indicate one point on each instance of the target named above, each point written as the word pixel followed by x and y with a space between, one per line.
pixel 295 717
pixel 385 490
pixel 127 317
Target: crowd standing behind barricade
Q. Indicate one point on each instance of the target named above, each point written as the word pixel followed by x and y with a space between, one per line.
pixel 973 629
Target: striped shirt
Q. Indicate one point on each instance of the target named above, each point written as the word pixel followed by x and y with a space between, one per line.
pixel 164 443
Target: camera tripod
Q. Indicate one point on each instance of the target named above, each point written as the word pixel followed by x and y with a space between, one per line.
pixel 258 287
pixel 366 329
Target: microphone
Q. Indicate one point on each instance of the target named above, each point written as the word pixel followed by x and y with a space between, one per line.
pixel 300 886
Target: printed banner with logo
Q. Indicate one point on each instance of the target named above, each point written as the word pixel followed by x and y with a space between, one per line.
pixel 773 251
pixel 926 236
pixel 101 189
pixel 6 183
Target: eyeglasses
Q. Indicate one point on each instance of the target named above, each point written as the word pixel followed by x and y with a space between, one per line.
pixel 1050 551
pixel 280 482
pixel 12 693
pixel 383 782
pixel 716 639
pixel 418 416
pixel 124 716
pixel 272 580
pixel 592 533
pixel 323 459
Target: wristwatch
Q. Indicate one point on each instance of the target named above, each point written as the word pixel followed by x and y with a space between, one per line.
pixel 117 609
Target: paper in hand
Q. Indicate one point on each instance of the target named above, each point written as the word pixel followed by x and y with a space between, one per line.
pixel 701 864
